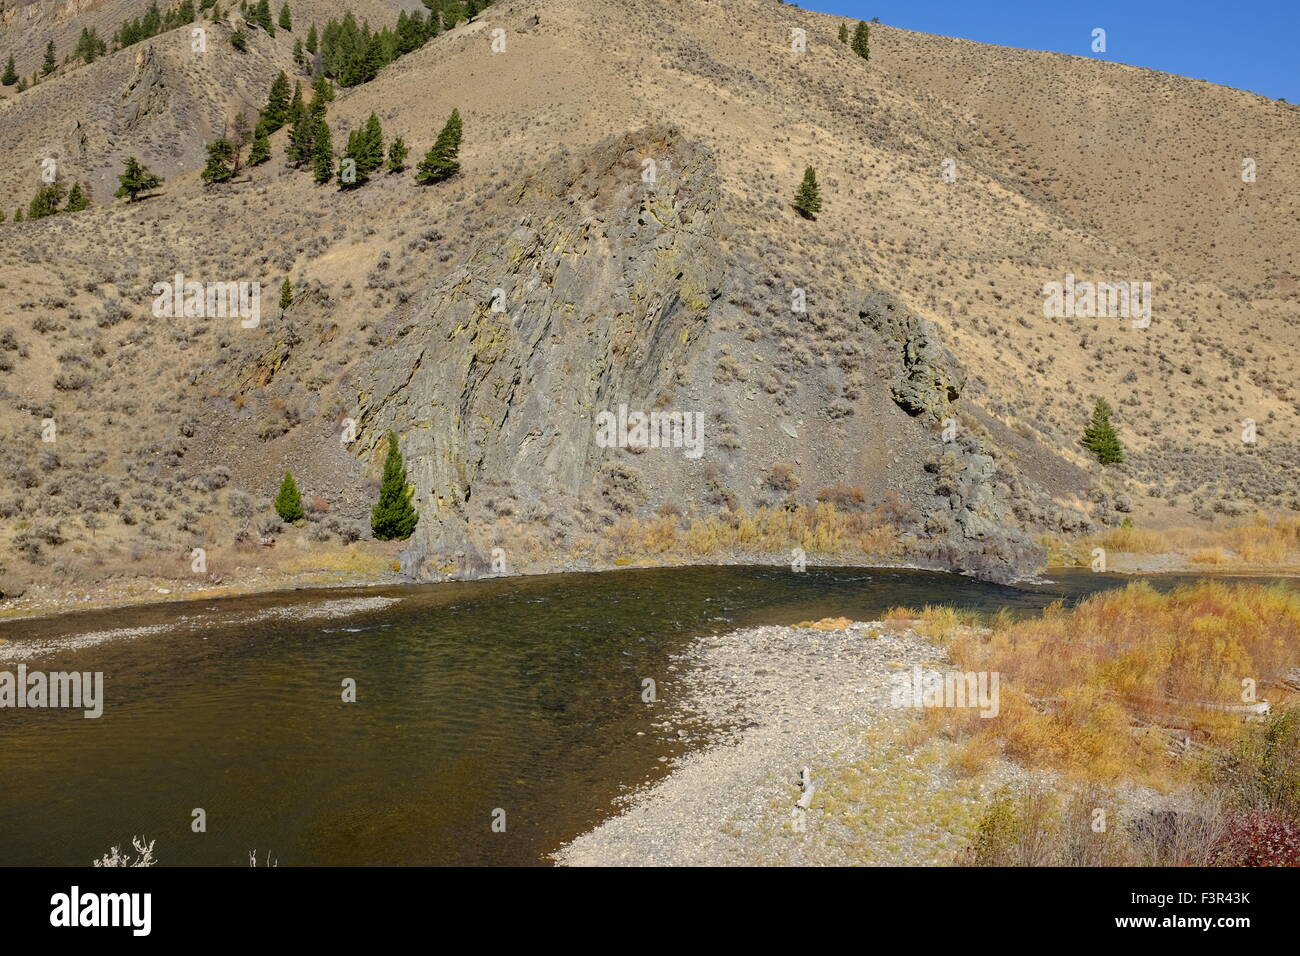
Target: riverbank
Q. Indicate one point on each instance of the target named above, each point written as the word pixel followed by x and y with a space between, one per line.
pixel 786 698
pixel 1116 706
pixel 354 567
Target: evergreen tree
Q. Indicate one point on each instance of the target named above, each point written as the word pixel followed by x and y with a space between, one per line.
pixel 439 162
pixel 299 57
pixel 844 33
pixel 47 200
pixel 860 37
pixel 261 150
pixel 261 15
pixel 89 46
pixel 288 503
pixel 78 199
pixel 11 74
pixel 239 41
pixel 18 214
pixel 276 111
pixel 286 294
pixel 322 153
pixel 136 179
pixel 322 91
pixel 1100 436
pixel 371 141
pixel 221 161
pixel 50 63
pixel 394 516
pixel 808 200
pixel 286 18
pixel 312 39
pixel 301 142
pixel 397 154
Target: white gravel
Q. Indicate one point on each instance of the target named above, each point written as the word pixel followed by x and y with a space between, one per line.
pixel 795 698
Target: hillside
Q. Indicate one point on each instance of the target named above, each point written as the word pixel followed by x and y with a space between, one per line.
pixel 924 298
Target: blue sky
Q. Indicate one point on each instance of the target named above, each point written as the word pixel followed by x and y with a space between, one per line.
pixel 1250 44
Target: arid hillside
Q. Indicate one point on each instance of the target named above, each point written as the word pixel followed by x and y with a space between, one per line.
pixel 922 400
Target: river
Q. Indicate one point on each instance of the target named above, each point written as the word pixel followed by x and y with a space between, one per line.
pixel 520 695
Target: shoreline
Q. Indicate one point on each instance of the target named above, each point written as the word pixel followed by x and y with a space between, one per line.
pixel 781 699
pixel 139 594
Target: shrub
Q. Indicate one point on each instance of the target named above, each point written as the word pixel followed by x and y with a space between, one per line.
pixel 1259 839
pixel 288 503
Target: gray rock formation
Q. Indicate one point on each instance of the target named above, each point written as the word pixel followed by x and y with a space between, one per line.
pixel 597 298
pixel 609 290
pixel 930 378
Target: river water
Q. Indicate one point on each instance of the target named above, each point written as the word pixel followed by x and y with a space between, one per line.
pixel 520 695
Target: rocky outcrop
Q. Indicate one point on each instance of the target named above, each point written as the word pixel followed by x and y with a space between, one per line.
pixel 930 378
pixel 606 290
pixel 972 523
pixel 597 297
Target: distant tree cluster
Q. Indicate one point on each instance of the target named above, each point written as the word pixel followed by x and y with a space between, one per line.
pixel 259 15
pixel 54 198
pixel 392 519
pixel 90 46
pixel 153 23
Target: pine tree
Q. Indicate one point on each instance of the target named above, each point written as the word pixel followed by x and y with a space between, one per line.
pixel 276 111
pixel 11 74
pixel 286 294
pixel 261 15
pixel 1100 436
pixel 78 199
pixel 439 162
pixel 286 18
pixel 89 46
pixel 50 63
pixel 322 153
pixel 221 162
pixel 47 200
pixel 322 91
pixel 299 57
pixel 261 150
pixel 312 40
pixel 288 503
pixel 136 179
pixel 808 200
pixel 397 154
pixel 371 141
pixel 239 41
pixel 394 517
pixel 366 150
pixel 844 33
pixel 860 38
pixel 18 214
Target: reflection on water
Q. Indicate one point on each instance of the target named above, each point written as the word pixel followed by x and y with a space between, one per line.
pixel 521 694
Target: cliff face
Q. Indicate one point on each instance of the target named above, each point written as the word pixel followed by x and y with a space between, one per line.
pixel 596 299
pixel 616 289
